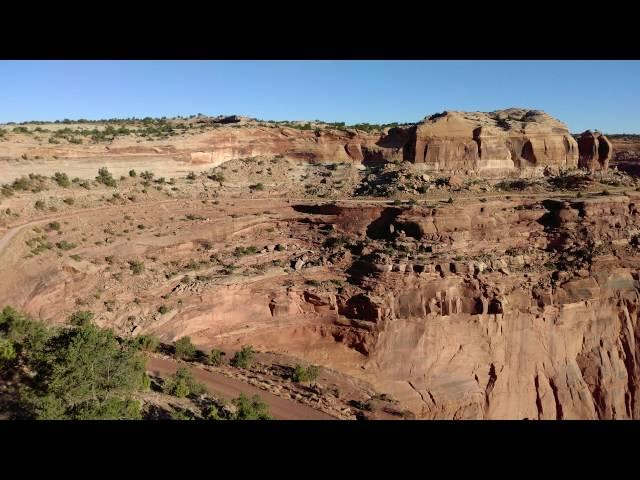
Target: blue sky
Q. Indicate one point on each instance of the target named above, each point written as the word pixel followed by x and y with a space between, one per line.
pixel 583 94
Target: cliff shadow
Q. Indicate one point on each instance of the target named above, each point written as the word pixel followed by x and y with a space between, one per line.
pixel 379 228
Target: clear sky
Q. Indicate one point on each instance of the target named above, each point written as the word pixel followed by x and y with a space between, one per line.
pixel 602 95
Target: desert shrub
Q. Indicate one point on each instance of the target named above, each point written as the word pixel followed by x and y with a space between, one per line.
pixel 147 175
pixel 81 318
pixel 185 350
pixel 257 186
pixel 509 185
pixel 214 413
pixel 191 176
pixel 62 179
pixel 362 405
pixel 241 251
pixel 132 173
pixel 69 201
pixel 251 408
pixel 335 242
pixel 147 343
pixel 568 182
pixel 136 266
pixel 182 384
pixel 279 247
pixel 146 382
pixel 39 205
pixel 217 177
pixel 243 358
pixel 215 356
pixel 33 183
pixel 7 351
pixel 605 192
pixel 53 226
pixel 450 200
pixel 180 415
pixel 105 177
pixel 162 309
pixel 308 374
pixel 64 245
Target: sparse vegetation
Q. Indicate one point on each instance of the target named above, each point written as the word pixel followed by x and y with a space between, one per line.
pixel 64 245
pixel 105 177
pixel 81 318
pixel 136 266
pixel 251 408
pixel 215 356
pixel 147 343
pixel 185 350
pixel 510 185
pixel 242 251
pixel 62 179
pixel 243 358
pixel 305 374
pixel 182 384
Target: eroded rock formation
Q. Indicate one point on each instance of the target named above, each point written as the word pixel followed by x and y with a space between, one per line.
pixel 504 142
pixel 496 143
pixel 595 151
pixel 547 329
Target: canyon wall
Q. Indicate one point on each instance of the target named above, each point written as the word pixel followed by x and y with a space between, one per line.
pixel 542 324
pixel 516 142
pixel 505 142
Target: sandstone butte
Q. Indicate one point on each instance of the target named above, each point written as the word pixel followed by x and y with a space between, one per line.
pixel 511 306
pixel 508 142
pixel 519 141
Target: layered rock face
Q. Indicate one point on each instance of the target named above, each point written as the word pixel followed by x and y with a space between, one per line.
pixel 321 146
pixel 513 140
pixel 595 151
pixel 540 324
pixel 505 142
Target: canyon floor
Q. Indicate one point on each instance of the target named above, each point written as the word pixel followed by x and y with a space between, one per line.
pixel 419 294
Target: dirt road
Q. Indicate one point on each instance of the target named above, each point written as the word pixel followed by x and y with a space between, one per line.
pixel 280 408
